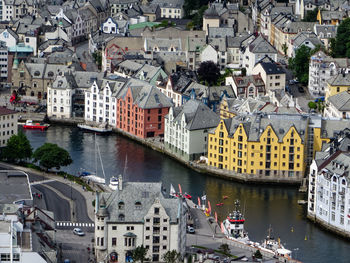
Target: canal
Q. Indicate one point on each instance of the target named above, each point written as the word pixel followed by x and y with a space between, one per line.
pixel 263 205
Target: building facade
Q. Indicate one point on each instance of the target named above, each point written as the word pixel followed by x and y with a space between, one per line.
pixel 8 125
pixel 139 213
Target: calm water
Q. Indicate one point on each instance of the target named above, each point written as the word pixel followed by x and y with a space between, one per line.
pixel 263 205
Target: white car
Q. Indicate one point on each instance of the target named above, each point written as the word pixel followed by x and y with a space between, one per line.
pixel 78 232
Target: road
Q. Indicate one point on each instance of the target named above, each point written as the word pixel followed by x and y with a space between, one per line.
pixel 82 51
pixel 54 203
pixel 80 204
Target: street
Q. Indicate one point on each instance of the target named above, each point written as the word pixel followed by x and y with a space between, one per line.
pixel 82 51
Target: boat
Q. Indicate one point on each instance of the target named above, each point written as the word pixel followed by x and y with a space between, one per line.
pixel 233 225
pixel 220 204
pixel 270 243
pixel 186 195
pixel 113 182
pixel 35 125
pixel 95 127
pixel 225 197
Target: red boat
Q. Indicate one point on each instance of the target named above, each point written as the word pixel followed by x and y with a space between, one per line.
pixel 187 196
pixel 225 197
pixel 220 204
pixel 37 126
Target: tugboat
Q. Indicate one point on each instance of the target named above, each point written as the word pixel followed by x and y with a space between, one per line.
pixel 35 126
pixel 275 246
pixel 233 225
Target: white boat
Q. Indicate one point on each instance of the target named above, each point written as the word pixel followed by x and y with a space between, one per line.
pixel 233 225
pixel 93 178
pixel 98 128
pixel 113 182
pixel 275 246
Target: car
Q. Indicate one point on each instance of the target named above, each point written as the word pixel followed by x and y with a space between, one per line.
pixel 78 232
pixel 291 82
pixel 301 89
pixel 190 230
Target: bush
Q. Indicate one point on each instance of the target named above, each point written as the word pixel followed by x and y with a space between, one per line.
pixel 312 105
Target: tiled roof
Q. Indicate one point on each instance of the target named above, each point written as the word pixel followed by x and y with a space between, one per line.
pixel 340 101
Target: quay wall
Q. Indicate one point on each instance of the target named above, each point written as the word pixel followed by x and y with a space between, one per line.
pixel 325 225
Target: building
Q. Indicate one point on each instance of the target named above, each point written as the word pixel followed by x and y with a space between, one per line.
pixel 308 39
pixel 186 129
pixel 326 17
pixel 141 109
pixel 60 97
pixel 272 74
pixel 321 69
pixel 171 8
pixel 101 101
pixel 337 84
pixel 329 195
pixel 139 213
pixel 3 62
pixel 8 125
pixel 303 6
pixel 263 146
pixel 115 26
pixel 247 86
pixel 338 106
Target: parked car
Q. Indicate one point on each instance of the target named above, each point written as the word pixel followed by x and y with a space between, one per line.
pixel 291 82
pixel 301 89
pixel 190 230
pixel 78 232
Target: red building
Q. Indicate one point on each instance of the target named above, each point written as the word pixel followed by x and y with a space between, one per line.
pixel 141 110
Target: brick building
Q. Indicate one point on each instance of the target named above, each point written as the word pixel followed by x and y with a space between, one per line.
pixel 141 109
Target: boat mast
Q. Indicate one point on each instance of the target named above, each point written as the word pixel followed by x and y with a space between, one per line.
pixel 99 154
pixel 95 156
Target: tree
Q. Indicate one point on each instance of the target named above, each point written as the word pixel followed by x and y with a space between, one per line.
pixel 18 148
pixel 208 72
pixel 312 105
pixel 171 256
pixel 97 55
pixel 300 63
pixel 225 249
pixel 50 156
pixel 311 16
pixel 258 254
pixel 139 253
pixel 198 17
pixel 285 48
pixel 341 45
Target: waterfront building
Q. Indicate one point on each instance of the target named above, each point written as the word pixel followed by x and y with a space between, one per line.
pixel 8 125
pixel 60 94
pixel 321 69
pixel 101 101
pixel 141 109
pixel 338 106
pixel 262 145
pixel 186 129
pixel 139 213
pixel 337 84
pixel 329 194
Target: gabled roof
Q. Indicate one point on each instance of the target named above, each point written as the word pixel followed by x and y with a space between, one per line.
pixel 341 79
pixel 340 101
pixel 261 45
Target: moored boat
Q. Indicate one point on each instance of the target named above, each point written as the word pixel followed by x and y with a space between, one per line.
pixel 93 178
pixel 113 183
pixel 35 125
pixel 233 225
pixel 98 128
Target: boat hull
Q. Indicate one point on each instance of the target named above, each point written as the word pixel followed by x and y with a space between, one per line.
pixel 94 129
pixel 36 127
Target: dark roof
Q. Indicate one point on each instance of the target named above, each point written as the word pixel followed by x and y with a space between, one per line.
pixel 272 68
pixel 5 111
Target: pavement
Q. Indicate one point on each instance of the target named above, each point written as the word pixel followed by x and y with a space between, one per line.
pixel 82 52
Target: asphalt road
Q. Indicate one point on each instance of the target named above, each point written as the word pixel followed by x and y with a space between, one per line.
pixel 54 203
pixel 80 204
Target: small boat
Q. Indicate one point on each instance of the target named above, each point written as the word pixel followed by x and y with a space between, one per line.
pixel 95 127
pixel 35 126
pixel 187 196
pixel 93 178
pixel 113 183
pixel 225 197
pixel 220 204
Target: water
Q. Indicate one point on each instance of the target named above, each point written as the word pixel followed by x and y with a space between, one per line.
pixel 262 205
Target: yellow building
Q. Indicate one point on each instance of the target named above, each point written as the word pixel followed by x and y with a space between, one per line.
pixel 263 145
pixel 326 17
pixel 225 108
pixel 337 84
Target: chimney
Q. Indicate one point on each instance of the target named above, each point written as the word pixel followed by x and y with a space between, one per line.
pixel 120 182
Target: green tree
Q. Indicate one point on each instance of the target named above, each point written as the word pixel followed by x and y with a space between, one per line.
pixel 258 254
pixel 198 17
pixel 190 6
pixel 18 148
pixel 50 156
pixel 139 254
pixel 97 55
pixel 225 249
pixel 285 48
pixel 300 63
pixel 311 16
pixel 341 46
pixel 208 71
pixel 312 105
pixel 171 256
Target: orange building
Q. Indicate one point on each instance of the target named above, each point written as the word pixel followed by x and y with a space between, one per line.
pixel 141 108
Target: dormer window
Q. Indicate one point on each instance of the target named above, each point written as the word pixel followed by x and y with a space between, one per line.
pixel 121 217
pixel 121 205
pixel 138 205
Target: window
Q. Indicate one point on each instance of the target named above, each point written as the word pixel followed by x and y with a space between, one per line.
pixel 114 227
pixel 156 210
pixel 114 241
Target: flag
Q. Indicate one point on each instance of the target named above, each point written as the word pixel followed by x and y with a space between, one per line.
pixel 209 207
pixel 199 201
pixel 204 197
pixel 216 217
pixel 180 190
pixel 222 227
pixel 172 190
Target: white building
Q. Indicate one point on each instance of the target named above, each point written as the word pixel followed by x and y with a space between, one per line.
pixel 9 37
pixel 255 51
pixel 112 26
pixel 139 213
pixel 186 129
pixel 329 193
pixel 338 106
pixel 3 62
pixel 59 99
pixel 101 102
pixel 8 125
pixel 170 8
pixel 322 68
